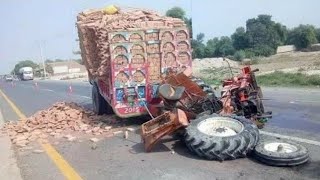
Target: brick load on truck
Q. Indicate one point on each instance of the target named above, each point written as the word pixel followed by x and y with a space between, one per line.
pixel 127 54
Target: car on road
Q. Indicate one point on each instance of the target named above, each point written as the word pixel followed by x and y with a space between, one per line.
pixel 8 78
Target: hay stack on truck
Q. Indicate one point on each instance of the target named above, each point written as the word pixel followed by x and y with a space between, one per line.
pixel 25 73
pixel 126 54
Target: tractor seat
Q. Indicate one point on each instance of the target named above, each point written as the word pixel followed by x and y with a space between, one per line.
pixel 171 93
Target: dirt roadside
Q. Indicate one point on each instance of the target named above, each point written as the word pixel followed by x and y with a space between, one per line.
pixel 303 62
pixel 216 69
pixel 8 167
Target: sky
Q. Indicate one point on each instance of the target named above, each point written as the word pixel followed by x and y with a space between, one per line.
pixel 26 25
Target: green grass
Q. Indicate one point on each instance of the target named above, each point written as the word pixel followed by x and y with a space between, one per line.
pixel 214 76
pixel 288 79
pixel 214 82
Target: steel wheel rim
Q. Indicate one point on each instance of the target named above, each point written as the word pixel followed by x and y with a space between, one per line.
pixel 220 126
pixel 280 147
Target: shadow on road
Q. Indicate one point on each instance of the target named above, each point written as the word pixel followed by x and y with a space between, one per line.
pixel 180 148
pixel 86 105
pixel 168 144
pixel 139 148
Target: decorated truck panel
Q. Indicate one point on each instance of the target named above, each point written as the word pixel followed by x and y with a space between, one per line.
pixel 138 61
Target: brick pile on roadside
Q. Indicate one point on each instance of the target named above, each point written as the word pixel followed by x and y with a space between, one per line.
pixel 94 26
pixel 56 121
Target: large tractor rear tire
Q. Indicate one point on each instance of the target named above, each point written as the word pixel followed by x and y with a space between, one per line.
pixel 221 138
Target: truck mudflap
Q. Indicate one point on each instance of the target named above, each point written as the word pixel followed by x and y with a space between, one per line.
pixel 165 124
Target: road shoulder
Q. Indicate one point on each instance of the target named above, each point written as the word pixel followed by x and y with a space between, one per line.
pixel 8 167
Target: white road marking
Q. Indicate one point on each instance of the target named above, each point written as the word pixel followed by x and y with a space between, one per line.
pixel 317 143
pixel 86 97
pixel 306 101
pixel 48 90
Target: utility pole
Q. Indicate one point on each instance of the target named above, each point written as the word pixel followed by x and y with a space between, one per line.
pixel 42 59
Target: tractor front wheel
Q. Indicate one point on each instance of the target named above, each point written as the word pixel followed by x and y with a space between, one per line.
pixel 281 153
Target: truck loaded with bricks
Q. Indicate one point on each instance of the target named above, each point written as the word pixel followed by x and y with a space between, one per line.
pixel 140 63
pixel 126 56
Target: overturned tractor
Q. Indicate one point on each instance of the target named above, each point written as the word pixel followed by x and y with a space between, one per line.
pixel 242 96
pixel 213 128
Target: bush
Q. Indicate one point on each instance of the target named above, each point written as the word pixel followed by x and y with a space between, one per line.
pixel 264 50
pixel 231 57
pixel 249 53
pixel 239 55
pixel 318 34
pixel 302 37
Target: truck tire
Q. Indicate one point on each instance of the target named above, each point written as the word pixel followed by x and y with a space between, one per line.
pixel 221 138
pixel 289 154
pixel 100 105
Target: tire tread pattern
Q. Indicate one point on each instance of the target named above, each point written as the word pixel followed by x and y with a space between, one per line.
pixel 221 148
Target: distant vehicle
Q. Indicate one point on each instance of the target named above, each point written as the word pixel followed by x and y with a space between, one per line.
pixel 8 78
pixel 26 73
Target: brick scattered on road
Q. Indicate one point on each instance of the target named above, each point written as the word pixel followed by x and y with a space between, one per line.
pixel 108 128
pixel 37 151
pixel 126 135
pixel 94 140
pixel 117 132
pixel 131 129
pixel 55 121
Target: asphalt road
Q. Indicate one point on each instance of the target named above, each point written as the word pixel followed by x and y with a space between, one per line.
pixel 295 114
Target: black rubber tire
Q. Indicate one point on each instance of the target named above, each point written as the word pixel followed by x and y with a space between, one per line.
pixel 209 91
pixel 205 113
pixel 221 148
pixel 109 110
pixel 271 158
pixel 100 105
pixel 205 87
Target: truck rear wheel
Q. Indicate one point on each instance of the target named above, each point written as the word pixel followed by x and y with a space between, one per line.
pixel 221 138
pixel 100 105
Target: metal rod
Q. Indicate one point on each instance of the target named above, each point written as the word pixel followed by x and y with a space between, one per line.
pixel 144 104
pixel 265 116
pixel 229 66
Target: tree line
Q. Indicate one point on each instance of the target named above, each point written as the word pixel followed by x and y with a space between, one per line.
pixel 260 37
